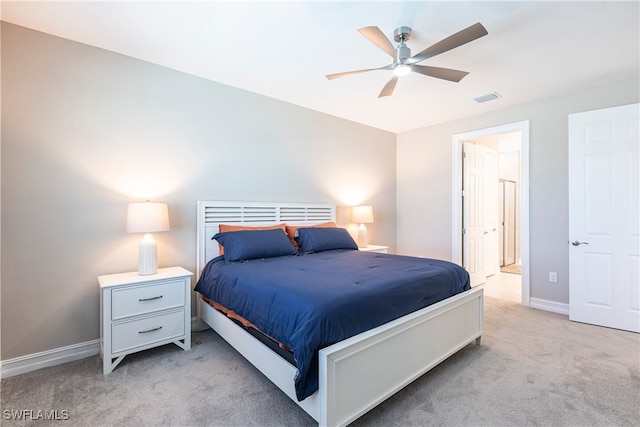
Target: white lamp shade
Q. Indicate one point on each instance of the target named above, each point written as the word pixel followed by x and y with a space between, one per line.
pixel 362 215
pixel 147 217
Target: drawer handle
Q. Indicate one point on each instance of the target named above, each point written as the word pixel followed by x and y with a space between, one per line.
pixel 150 330
pixel 150 299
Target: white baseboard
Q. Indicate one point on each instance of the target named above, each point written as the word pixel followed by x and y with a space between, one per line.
pixel 45 359
pixel 553 306
pixel 57 356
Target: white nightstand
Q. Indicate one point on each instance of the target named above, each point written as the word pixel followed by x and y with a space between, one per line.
pixel 141 312
pixel 375 248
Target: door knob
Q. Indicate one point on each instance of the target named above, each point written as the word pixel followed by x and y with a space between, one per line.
pixel 577 243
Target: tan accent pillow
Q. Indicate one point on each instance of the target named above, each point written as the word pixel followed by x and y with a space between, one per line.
pixel 230 228
pixel 292 230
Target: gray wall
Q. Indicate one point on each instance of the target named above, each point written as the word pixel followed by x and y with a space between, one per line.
pixel 85 131
pixel 425 178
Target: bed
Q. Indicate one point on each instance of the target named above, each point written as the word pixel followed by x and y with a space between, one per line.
pixel 357 373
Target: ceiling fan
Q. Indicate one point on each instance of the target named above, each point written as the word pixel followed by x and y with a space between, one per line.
pixel 403 63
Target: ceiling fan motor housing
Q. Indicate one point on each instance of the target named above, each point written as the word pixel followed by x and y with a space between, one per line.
pixel 402 34
pixel 403 52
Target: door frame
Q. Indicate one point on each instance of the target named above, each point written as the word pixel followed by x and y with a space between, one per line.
pixel 457 208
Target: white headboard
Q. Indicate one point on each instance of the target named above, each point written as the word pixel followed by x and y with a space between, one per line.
pixel 213 213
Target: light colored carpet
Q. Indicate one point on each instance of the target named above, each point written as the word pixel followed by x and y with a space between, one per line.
pixel 533 368
pixel 512 268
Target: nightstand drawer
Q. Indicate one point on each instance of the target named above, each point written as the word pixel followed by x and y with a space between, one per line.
pixel 128 335
pixel 147 299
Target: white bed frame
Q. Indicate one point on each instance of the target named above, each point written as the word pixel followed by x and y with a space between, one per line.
pixel 360 372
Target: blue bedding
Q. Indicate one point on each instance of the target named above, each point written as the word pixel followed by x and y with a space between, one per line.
pixel 311 301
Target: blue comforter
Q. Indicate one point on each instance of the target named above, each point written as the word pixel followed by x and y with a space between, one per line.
pixel 311 301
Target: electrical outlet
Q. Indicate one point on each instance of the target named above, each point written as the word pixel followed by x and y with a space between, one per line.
pixel 553 277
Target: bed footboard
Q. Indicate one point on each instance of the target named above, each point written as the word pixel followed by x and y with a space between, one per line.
pixel 358 373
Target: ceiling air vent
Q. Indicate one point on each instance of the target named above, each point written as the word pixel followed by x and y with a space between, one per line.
pixel 488 97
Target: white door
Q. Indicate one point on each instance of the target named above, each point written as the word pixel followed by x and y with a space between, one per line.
pixel 490 202
pixel 473 214
pixel 604 217
pixel 479 217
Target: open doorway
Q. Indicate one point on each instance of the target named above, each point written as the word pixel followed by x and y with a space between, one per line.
pixel 505 238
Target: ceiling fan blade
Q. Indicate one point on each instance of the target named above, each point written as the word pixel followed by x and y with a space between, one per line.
pixel 377 37
pixel 350 73
pixel 387 90
pixel 439 72
pixel 467 35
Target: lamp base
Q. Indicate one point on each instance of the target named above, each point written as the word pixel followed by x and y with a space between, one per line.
pixel 148 256
pixel 363 241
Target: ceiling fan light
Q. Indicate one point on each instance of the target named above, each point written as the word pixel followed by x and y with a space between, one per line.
pixel 401 70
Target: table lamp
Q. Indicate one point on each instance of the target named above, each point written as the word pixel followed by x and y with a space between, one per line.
pixel 362 215
pixel 147 218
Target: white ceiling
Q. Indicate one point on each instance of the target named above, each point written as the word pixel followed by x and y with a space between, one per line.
pixel 283 49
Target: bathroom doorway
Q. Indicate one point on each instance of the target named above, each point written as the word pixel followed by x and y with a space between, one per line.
pixel 511 245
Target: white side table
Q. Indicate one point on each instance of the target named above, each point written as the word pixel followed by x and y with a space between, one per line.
pixel 375 248
pixel 142 312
